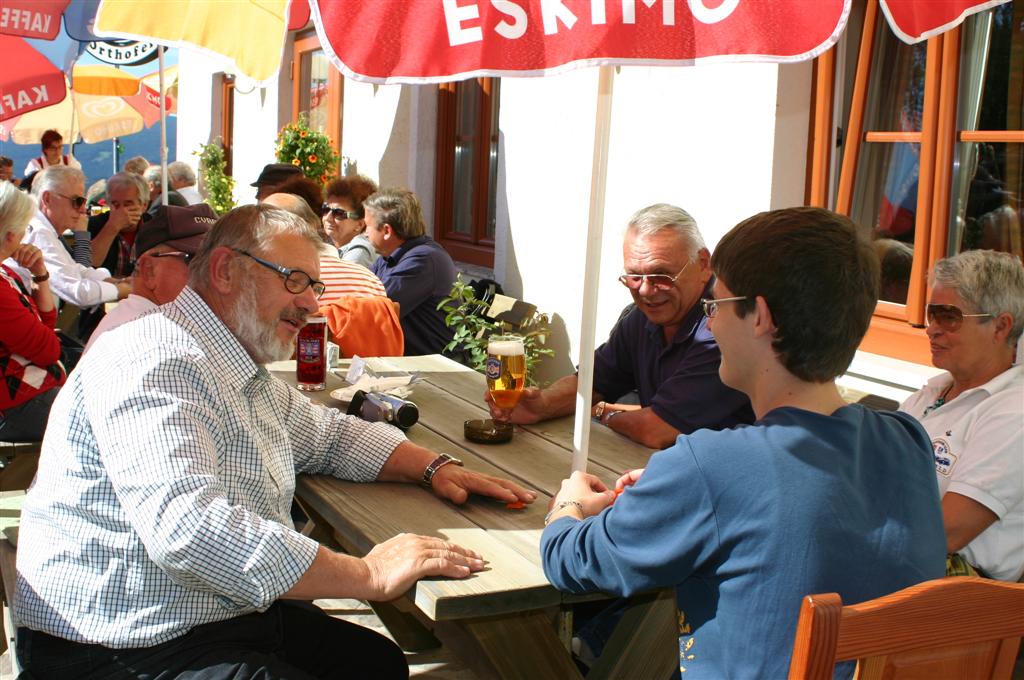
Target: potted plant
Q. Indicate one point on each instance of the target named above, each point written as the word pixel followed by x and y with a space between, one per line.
pixel 219 186
pixel 307 149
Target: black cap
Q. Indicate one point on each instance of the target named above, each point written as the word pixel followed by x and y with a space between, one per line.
pixel 181 228
pixel 275 173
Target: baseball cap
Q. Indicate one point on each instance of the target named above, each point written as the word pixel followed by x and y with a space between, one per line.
pixel 275 173
pixel 179 227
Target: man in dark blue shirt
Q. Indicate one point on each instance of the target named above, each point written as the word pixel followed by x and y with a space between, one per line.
pixel 661 349
pixel 416 271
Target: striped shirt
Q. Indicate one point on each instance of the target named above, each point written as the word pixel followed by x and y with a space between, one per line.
pixel 346 278
pixel 165 484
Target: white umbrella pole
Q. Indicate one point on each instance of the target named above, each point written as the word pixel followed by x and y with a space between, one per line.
pixel 595 229
pixel 163 130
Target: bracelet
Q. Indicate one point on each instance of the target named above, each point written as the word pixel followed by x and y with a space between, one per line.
pixel 599 409
pixel 562 505
pixel 41 277
pixel 611 414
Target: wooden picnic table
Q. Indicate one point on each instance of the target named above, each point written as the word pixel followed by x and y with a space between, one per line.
pixel 506 621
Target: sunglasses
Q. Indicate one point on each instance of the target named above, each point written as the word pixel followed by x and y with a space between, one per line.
pixel 339 213
pixel 656 281
pixel 77 201
pixel 949 317
pixel 296 281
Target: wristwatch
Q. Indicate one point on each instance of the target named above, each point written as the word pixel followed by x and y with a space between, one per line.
pixel 41 277
pixel 435 465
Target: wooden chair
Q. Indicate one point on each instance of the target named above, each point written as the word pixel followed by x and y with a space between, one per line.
pixel 951 628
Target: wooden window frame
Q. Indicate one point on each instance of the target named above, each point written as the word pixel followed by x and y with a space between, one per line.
pixel 306 43
pixel 227 119
pixel 898 330
pixel 476 248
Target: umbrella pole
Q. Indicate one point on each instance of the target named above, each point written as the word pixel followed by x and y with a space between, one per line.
pixel 595 229
pixel 117 159
pixel 163 130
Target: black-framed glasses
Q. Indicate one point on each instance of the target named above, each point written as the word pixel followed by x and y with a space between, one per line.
pixel 77 201
pixel 656 281
pixel 296 281
pixel 185 257
pixel 949 317
pixel 339 213
pixel 710 307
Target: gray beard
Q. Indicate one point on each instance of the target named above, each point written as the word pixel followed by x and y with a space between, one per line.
pixel 260 340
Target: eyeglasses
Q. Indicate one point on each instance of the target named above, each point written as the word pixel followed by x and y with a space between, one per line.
pixel 656 281
pixel 186 257
pixel 296 281
pixel 711 306
pixel 948 317
pixel 77 201
pixel 339 213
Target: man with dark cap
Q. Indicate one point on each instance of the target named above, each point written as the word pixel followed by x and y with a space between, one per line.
pixel 272 175
pixel 163 248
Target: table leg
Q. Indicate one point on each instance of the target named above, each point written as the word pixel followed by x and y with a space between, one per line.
pixel 523 645
pixel 645 644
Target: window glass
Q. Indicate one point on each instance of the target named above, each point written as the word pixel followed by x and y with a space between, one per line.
pixel 896 94
pixel 467 120
pixel 988 180
pixel 314 68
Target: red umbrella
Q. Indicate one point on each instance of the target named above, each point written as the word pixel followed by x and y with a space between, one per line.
pixel 34 84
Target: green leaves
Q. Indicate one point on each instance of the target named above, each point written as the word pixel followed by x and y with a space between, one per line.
pixel 465 315
pixel 220 188
pixel 308 149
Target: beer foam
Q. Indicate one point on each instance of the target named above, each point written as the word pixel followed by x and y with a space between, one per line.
pixel 505 348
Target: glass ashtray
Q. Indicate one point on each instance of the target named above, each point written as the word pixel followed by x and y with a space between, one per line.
pixel 487 431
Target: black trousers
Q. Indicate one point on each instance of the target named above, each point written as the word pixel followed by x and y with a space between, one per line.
pixel 293 640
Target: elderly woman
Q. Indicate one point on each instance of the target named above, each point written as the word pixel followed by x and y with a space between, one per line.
pixel 974 412
pixel 344 221
pixel 29 348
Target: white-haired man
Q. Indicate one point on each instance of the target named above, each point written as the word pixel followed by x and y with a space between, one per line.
pixel 157 536
pixel 182 179
pixel 60 191
pixel 662 349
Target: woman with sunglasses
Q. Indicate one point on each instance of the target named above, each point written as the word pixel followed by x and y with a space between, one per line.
pixel 344 218
pixel 29 347
pixel 974 411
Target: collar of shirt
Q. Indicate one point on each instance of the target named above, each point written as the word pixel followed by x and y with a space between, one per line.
pixel 234 363
pixel 394 257
pixel 939 383
pixel 43 221
pixel 690 322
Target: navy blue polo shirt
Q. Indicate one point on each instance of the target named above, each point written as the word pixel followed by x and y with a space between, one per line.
pixel 679 381
pixel 418 275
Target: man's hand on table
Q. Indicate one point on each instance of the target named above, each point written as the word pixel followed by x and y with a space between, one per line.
pixel 456 483
pixel 586 490
pixel 532 408
pixel 396 564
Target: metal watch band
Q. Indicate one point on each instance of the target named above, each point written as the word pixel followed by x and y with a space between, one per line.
pixel 563 504
pixel 437 464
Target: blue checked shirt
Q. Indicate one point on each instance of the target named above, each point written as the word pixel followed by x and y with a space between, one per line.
pixel 165 483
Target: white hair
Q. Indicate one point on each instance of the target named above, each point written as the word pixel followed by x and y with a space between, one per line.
pixel 180 171
pixel 55 178
pixel 989 282
pixel 16 209
pixel 660 217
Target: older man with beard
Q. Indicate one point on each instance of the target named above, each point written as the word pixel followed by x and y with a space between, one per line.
pixel 157 536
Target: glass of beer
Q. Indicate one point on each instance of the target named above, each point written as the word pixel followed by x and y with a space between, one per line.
pixel 506 369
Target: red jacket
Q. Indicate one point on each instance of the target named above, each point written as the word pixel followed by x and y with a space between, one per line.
pixel 29 347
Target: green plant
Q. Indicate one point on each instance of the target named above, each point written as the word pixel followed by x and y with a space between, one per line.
pixel 308 149
pixel 466 315
pixel 220 187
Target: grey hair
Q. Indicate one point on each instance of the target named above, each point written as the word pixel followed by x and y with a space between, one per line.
pixel 401 209
pixel 989 282
pixel 180 171
pixel 660 217
pixel 153 173
pixel 129 179
pixel 55 178
pixel 16 209
pixel 249 228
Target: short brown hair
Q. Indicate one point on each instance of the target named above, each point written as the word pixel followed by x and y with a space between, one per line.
pixel 819 277
pixel 401 209
pixel 49 137
pixel 355 188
